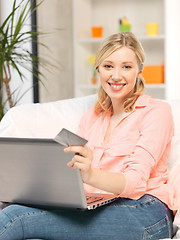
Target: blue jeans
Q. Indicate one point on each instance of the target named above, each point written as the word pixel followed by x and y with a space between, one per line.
pixel 146 218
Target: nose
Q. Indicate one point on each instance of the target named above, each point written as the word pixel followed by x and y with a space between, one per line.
pixel 117 74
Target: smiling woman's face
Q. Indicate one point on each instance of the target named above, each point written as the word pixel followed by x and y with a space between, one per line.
pixel 118 73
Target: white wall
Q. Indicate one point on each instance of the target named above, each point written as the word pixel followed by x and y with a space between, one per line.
pixel 6 6
pixel 172 49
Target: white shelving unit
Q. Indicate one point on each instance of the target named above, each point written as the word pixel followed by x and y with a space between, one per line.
pixel 107 13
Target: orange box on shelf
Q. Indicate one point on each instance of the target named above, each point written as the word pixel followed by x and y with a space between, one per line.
pixel 153 74
pixel 97 32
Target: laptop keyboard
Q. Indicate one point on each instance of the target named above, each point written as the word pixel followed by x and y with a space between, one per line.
pixel 93 199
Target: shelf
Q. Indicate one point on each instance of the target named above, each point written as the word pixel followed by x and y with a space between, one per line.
pixel 104 13
pixel 141 38
pixel 163 86
pixel 149 38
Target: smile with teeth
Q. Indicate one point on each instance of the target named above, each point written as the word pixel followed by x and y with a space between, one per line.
pixel 116 86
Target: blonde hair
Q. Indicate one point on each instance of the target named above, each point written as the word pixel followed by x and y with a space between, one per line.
pixel 107 47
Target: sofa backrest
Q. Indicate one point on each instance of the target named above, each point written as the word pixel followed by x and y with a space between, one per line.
pixel 45 120
pixel 174 158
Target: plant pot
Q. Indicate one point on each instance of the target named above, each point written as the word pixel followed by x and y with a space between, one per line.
pixel 124 28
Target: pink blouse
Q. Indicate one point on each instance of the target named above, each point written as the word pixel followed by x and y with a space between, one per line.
pixel 139 147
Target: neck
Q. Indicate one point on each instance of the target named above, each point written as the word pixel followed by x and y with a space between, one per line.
pixel 118 108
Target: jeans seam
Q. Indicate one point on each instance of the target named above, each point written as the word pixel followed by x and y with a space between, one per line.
pixel 11 222
pixel 8 224
pixel 169 227
pixel 153 225
pixel 20 219
pixel 141 204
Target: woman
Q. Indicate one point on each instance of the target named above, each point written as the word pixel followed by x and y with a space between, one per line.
pixel 129 136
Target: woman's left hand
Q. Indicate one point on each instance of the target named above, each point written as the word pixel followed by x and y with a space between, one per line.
pixel 81 160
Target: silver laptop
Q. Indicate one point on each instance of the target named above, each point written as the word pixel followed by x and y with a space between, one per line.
pixel 35 172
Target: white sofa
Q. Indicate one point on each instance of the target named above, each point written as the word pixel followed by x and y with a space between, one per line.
pixel 47 119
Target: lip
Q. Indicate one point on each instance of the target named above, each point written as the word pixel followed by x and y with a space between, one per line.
pixel 116 86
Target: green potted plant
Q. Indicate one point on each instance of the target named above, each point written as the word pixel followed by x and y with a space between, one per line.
pixel 14 54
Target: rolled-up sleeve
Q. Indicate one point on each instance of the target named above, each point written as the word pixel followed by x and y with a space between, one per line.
pixel 147 164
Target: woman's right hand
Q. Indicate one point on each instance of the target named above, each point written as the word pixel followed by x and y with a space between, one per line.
pixel 81 160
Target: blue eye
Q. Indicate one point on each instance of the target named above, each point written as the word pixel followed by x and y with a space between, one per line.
pixel 107 66
pixel 127 67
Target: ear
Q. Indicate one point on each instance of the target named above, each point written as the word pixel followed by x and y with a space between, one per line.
pixel 141 69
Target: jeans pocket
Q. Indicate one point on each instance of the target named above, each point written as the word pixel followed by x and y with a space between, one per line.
pixel 158 230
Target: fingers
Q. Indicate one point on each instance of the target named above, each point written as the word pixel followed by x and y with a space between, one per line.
pixel 82 159
pixel 78 162
pixel 83 151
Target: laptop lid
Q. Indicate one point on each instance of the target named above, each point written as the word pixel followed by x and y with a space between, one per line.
pixel 35 171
